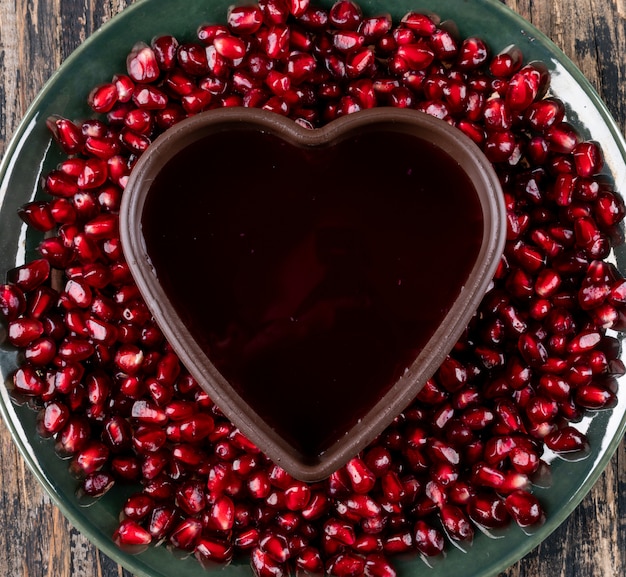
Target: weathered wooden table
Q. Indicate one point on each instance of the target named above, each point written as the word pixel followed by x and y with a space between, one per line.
pixel 35 539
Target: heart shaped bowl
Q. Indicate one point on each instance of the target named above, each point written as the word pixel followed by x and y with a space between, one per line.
pixel 177 316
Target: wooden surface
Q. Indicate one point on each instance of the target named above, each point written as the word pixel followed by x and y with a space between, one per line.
pixel 35 539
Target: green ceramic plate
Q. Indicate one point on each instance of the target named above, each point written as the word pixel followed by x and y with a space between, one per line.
pixel 30 154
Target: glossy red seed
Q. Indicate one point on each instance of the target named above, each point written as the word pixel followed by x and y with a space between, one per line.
pixel 543 114
pixel 95 485
pixel 23 331
pixel 524 508
pixel 130 535
pixel 265 566
pixel 297 7
pixel 30 275
pixel 66 133
pixel 594 397
pixel 346 565
pixel 276 546
pixel 229 46
pixel 417 56
pixel 488 511
pixel 566 440
pixel 428 540
pixel 501 147
pixel 186 534
pixel 472 54
pixel 103 97
pixel 211 551
pixel 588 159
pixel 142 64
pixel 345 15
pixel 456 523
pixel 496 115
pixel 89 459
pixel 165 48
pixel 38 215
pixel 138 506
pixel 361 478
pixel 245 19
pixel 52 418
pixel 608 209
pixel 12 301
pixel 562 138
pixel 506 62
pixel 584 341
pixel 149 98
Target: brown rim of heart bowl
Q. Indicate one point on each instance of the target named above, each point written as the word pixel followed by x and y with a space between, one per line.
pixel 458 147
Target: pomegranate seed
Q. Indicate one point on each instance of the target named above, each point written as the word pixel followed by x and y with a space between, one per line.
pixel 125 468
pixel 165 48
pixel 309 560
pixel 23 331
pixel 345 565
pixel 148 439
pixel 96 484
pixel 587 159
pixel 566 440
pixel 264 566
pixel 37 214
pixel 345 15
pixel 161 522
pixel 138 506
pixel 594 397
pixel 66 133
pixel 131 536
pixel 361 478
pixel 229 47
pixel 501 147
pixel 584 341
pixel 148 97
pixel 457 525
pixel 298 7
pixel 609 209
pixel 428 540
pixel 142 64
pixel 373 28
pixel 496 115
pixel 90 459
pixel 187 454
pixel 103 97
pixel 506 62
pixel 222 513
pixel 12 301
pixel 532 350
pixel 297 496
pixel 421 24
pixel 30 275
pixel 52 418
pixel 245 19
pixel 472 54
pixel 186 534
pixel 417 56
pixel 488 511
pixel 211 551
pixel 545 113
pixel 524 508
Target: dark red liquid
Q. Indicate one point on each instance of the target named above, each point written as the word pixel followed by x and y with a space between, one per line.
pixel 313 278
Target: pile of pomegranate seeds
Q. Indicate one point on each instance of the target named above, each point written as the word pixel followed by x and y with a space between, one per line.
pixel 465 453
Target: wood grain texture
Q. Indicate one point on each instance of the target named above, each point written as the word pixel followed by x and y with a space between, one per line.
pixel 36 541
